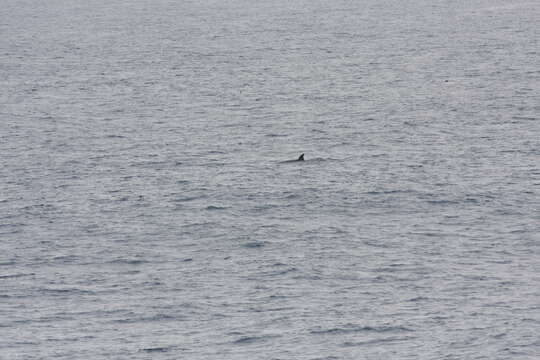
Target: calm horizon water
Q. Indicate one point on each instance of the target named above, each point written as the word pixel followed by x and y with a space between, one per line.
pixel 147 211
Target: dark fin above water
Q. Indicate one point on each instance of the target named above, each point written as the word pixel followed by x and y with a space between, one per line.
pixel 300 158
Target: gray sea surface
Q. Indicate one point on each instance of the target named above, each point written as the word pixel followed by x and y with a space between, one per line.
pixel 146 212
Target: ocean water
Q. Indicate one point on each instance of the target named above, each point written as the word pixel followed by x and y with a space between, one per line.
pixel 146 212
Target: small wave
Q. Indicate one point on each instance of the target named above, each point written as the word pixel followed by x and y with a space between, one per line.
pixel 376 341
pixel 264 207
pixel 355 329
pixel 418 299
pixel 251 339
pixel 387 269
pixel 254 244
pixel 319 159
pixel 154 318
pixel 309 277
pixel 188 198
pixel 70 291
pixel 115 136
pixel 426 233
pixel 199 224
pixel 292 196
pixel 278 297
pixel 375 243
pixel 70 339
pixel 156 349
pixel 25 343
pixel 528 118
pixel 246 339
pixel 66 259
pixel 442 202
pixel 149 164
pixel 213 207
pixel 388 192
pixel 11 232
pixel 14 276
pixel 128 261
pixel 283 272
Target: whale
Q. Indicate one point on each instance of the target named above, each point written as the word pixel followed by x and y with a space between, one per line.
pixel 300 158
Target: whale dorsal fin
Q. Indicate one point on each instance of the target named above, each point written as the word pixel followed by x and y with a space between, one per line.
pixel 301 158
